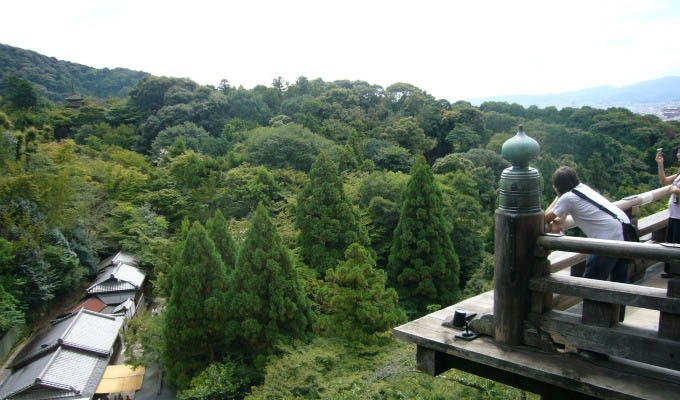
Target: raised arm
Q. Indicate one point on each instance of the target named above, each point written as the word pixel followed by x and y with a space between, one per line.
pixel 663 179
pixel 552 219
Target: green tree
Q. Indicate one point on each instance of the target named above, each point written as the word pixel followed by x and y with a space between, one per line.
pixel 423 263
pixel 195 318
pixel 327 221
pixel 194 137
pixel 224 242
pixel 268 302
pixel 356 299
pixel 20 93
pixel 406 133
pixel 220 381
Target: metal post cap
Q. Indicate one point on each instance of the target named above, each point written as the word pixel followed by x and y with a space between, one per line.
pixel 520 149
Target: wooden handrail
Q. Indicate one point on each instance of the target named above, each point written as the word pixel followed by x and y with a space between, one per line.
pixel 608 292
pixel 612 248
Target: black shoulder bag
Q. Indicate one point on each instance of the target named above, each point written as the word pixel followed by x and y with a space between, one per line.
pixel 630 231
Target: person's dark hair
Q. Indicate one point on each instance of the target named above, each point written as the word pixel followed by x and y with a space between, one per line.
pixel 565 179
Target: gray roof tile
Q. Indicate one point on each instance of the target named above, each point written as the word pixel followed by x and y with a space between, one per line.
pixel 125 258
pixel 44 341
pixel 25 376
pixel 113 298
pixel 71 368
pixel 118 278
pixel 93 331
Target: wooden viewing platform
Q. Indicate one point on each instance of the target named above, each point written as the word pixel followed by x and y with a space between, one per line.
pixel 557 374
pixel 548 331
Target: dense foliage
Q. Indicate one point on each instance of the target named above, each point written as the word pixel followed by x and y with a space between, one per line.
pixel 56 79
pixel 327 221
pixel 196 315
pixel 288 176
pixel 423 263
pixel 268 303
pixel 357 303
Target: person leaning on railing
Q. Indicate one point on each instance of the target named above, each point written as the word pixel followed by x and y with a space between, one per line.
pixel 594 222
pixel 673 229
pixel 586 208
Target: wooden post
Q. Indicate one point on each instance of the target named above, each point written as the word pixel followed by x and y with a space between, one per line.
pixel 659 236
pixel 578 269
pixel 519 222
pixel 598 313
pixel 514 265
pixel 541 302
pixel 669 324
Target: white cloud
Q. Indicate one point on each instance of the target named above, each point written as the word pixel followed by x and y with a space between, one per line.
pixel 450 49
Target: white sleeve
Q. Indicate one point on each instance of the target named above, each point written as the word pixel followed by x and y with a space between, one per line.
pixel 563 206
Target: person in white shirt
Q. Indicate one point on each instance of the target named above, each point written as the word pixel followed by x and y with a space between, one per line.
pixel 673 228
pixel 594 222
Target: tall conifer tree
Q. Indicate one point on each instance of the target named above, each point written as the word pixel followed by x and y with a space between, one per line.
pixel 224 242
pixel 355 296
pixel 327 221
pixel 164 276
pixel 423 263
pixel 196 314
pixel 268 301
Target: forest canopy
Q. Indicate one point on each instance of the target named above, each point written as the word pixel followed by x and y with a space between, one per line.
pixel 289 211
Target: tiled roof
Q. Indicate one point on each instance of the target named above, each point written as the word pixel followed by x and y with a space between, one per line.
pixel 107 262
pixel 44 341
pixel 25 376
pixel 127 307
pixel 129 273
pixel 92 304
pixel 125 258
pixel 86 330
pixel 112 286
pixel 70 369
pixel 93 331
pixel 115 298
pixel 118 278
pixel 66 374
pixel 66 361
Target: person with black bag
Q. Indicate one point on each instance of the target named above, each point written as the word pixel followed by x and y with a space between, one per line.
pixel 673 228
pixel 596 216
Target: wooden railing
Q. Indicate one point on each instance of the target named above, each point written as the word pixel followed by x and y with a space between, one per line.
pixel 598 329
pixel 652 228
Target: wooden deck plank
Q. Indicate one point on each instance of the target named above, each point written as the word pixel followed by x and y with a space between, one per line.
pixel 614 379
pixel 563 370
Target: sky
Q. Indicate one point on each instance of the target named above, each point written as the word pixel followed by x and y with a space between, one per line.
pixel 451 49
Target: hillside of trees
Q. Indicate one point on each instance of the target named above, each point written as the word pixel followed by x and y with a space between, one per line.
pixel 286 227
pixel 56 79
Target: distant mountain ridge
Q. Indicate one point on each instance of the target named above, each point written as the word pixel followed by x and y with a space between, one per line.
pixel 56 79
pixel 660 91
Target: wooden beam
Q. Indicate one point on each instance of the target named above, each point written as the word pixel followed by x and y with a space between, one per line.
pixel 598 313
pixel 604 380
pixel 623 341
pixel 436 361
pixel 669 323
pixel 654 224
pixel 612 248
pixel 608 292
pixel 560 260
